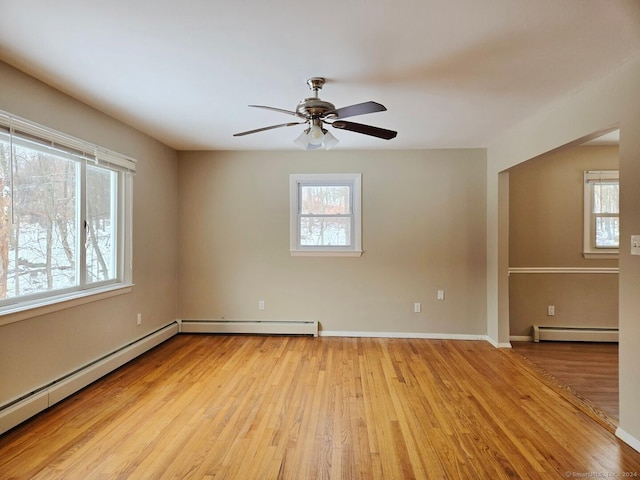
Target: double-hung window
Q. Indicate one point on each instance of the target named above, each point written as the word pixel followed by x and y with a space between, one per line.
pixel 325 214
pixel 65 228
pixel 601 214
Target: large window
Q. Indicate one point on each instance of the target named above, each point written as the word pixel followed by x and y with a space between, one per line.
pixel 601 214
pixel 325 214
pixel 65 226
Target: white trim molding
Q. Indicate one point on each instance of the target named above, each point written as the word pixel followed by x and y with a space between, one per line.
pixel 272 327
pixel 49 305
pixel 429 336
pixel 521 338
pixel 605 270
pixel 630 440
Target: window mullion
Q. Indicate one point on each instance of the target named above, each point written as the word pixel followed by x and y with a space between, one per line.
pixel 82 224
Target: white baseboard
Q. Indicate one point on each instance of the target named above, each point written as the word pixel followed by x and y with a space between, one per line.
pixel 35 402
pixel 521 338
pixel 575 334
pixel 497 344
pixel 268 327
pixel 432 336
pixel 630 440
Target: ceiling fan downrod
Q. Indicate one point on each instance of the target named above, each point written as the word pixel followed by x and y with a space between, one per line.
pixel 316 84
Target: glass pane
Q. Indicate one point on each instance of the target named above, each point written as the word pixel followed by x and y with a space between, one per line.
pixel 605 198
pixel 607 232
pixel 101 225
pixel 38 239
pixel 325 231
pixel 325 199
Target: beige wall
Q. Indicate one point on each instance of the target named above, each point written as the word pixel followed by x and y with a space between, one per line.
pixel 35 351
pixel 546 231
pixel 423 230
pixel 609 101
pixel 441 244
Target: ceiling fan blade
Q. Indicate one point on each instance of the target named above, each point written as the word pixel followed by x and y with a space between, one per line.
pixel 365 129
pixel 267 128
pixel 357 109
pixel 289 112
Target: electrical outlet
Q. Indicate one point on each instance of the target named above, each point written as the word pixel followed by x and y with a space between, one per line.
pixel 635 244
pixel 440 294
pixel 417 307
pixel 139 319
pixel 551 310
pixel 261 305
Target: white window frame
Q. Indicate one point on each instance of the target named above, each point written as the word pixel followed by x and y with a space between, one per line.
pixel 591 178
pixel 18 308
pixel 354 182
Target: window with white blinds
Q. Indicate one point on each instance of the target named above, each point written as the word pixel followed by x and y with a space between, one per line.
pixel 66 216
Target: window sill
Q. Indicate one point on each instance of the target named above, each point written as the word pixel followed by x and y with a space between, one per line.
pixel 600 255
pixel 326 253
pixel 16 313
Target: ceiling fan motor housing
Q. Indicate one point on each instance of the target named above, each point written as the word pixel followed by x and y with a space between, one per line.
pixel 314 108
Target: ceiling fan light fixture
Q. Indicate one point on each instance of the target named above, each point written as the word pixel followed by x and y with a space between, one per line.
pixel 302 141
pixel 315 135
pixel 311 139
pixel 329 140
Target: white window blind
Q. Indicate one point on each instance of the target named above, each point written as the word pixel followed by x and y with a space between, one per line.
pixel 32 132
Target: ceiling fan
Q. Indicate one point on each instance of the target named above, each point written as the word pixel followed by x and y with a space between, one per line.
pixel 317 113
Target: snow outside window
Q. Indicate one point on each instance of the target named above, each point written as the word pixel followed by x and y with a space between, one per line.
pixel 325 213
pixel 66 209
pixel 601 214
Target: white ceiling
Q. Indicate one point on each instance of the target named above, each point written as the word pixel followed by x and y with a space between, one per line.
pixel 452 73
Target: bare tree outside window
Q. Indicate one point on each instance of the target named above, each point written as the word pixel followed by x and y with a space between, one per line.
pixel 607 220
pixel 325 216
pixel 5 212
pixel 39 222
pixel 100 225
pixel 65 217
pixel 601 237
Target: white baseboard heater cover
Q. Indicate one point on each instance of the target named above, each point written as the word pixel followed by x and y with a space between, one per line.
pixel 35 402
pixel 575 334
pixel 267 327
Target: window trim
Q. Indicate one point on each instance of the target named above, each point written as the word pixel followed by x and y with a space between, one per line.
pixel 85 153
pixel 44 306
pixel 589 251
pixel 354 181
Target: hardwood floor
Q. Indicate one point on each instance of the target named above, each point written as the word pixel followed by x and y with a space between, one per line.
pixel 590 370
pixel 251 407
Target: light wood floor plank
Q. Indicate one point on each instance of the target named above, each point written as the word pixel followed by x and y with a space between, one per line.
pixel 231 407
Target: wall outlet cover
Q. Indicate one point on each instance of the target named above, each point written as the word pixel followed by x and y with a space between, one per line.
pixel 635 244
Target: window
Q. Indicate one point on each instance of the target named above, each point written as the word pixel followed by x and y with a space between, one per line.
pixel 66 209
pixel 325 214
pixel 601 214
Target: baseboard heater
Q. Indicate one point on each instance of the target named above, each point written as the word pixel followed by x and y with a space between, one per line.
pixel 267 327
pixel 575 334
pixel 28 405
